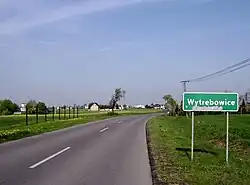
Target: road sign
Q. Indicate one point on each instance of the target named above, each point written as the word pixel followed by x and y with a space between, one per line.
pixel 207 101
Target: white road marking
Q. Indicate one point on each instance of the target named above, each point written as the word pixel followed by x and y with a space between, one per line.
pixel 106 128
pixel 48 158
pixel 119 122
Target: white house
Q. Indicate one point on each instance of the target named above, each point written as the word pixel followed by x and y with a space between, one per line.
pixel 94 107
pixel 140 106
pixel 158 106
pixel 121 107
pixel 23 107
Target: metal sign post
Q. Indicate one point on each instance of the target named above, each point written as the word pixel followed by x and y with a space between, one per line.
pixel 192 144
pixel 213 102
pixel 227 141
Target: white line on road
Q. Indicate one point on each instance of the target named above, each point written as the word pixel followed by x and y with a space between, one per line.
pixel 106 128
pixel 119 122
pixel 48 158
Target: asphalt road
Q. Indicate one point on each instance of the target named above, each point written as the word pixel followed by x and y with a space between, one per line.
pixel 108 152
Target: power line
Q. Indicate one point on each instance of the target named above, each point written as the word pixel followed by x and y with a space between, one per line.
pixel 223 71
pixel 226 72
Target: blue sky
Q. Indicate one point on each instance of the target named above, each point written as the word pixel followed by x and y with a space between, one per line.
pixel 77 51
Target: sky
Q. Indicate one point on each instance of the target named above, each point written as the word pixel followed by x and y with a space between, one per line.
pixel 78 51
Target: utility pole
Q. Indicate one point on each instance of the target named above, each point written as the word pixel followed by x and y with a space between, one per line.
pixel 185 90
pixel 184 85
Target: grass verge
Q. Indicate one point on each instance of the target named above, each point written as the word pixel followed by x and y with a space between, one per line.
pixel 169 140
pixel 13 130
pixel 38 128
pixel 15 121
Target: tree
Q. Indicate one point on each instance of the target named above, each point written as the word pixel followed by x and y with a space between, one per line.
pixel 104 106
pixel 170 103
pixel 16 108
pixel 247 97
pixel 1 107
pixel 31 107
pixel 41 107
pixel 7 107
pixel 116 97
pixel 241 97
pixel 116 106
pixel 181 111
pixel 148 107
pixel 243 107
pixel 125 107
pixel 177 110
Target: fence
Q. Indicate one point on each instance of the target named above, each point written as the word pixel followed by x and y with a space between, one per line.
pixel 51 114
pixel 40 114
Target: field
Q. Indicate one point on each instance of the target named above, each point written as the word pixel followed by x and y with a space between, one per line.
pixel 169 146
pixel 14 126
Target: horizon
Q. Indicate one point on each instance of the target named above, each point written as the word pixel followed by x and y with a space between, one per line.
pixel 77 52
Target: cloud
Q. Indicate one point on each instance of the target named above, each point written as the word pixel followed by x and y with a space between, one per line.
pixel 27 14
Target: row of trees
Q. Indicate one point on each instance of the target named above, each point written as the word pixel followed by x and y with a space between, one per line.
pixel 7 107
pixel 33 106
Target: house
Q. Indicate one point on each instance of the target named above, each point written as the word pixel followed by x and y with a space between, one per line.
pixel 121 107
pixel 158 106
pixel 140 106
pixel 93 106
pixel 23 107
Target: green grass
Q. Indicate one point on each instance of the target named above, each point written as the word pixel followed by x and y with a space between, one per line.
pixel 38 128
pixel 13 121
pixel 174 165
pixel 14 127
